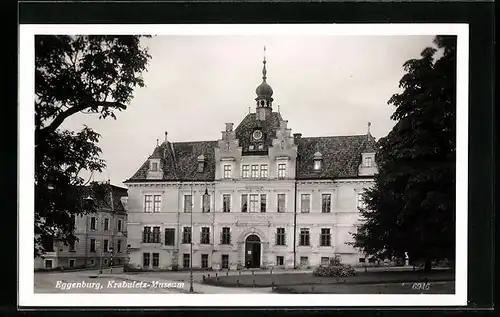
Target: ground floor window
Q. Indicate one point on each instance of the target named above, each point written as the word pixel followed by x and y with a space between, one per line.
pixel 71 262
pixel 92 262
pixel 48 264
pixel 156 259
pixel 145 260
pixel 186 260
pixel 105 261
pixel 362 260
pixel 324 260
pixel 204 261
pixel 280 260
pixel 304 260
pixel 225 261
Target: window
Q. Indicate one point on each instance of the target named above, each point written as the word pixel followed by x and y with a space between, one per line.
pixel 304 260
pixel 324 260
pixel 326 202
pixel 255 171
pixel 317 165
pixel 201 165
pixel 263 202
pixel 71 247
pixel 119 225
pixel 71 262
pixel 148 203
pixel 204 261
pixel 206 203
pixel 146 235
pixel 226 235
pixel 156 260
pixel 186 260
pixel 368 162
pixel 188 203
pixel 244 203
pixel 281 170
pixel 186 235
pixel 226 203
pixel 156 235
pixel 106 224
pixel 360 201
pixel 304 237
pixel 205 235
pixel 325 237
pixel 170 236
pixel 93 221
pixel 362 260
pixel 254 202
pixel 225 261
pixel 305 203
pixel 92 245
pixel 105 245
pixel 280 260
pixel 118 246
pixel 263 171
pixel 154 166
pixel 245 169
pixel 281 202
pixel 157 203
pixel 145 259
pixel 227 171
pixel 280 236
pixel 48 264
pixel 92 262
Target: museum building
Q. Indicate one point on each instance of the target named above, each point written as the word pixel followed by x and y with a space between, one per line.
pixel 259 196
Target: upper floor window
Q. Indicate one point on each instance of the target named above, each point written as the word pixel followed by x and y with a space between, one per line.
pixel 106 224
pixel 156 235
pixel 154 166
pixel 255 171
pixel 146 235
pixel 245 170
pixel 93 221
pixel 227 171
pixel 226 203
pixel 368 161
pixel 281 202
pixel 119 225
pixel 157 203
pixel 148 203
pixel 281 170
pixel 225 236
pixel 169 236
pixel 280 236
pixel 325 239
pixel 188 203
pixel 263 202
pixel 254 202
pixel 305 203
pixel 205 235
pixel 244 203
pixel 263 171
pixel 317 164
pixel 186 235
pixel 304 237
pixel 326 202
pixel 205 202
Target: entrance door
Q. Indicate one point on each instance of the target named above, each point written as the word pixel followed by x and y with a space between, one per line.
pixel 252 252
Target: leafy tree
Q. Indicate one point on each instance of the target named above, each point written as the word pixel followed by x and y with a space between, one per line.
pixel 92 74
pixel 411 207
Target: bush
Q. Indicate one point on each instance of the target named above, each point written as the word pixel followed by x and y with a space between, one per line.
pixel 334 268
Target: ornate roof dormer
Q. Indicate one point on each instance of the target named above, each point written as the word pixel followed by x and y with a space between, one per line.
pixel 368 165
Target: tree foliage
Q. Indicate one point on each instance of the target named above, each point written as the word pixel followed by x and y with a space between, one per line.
pixel 411 207
pixel 92 74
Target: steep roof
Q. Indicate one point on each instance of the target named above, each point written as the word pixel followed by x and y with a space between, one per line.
pixel 341 156
pixel 106 196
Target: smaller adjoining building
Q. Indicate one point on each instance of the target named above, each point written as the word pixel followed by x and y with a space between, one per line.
pixel 101 236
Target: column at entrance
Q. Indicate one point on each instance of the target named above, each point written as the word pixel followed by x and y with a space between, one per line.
pixel 265 253
pixel 241 254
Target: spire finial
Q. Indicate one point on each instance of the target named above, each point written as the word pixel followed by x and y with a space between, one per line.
pixel 264 71
pixel 157 144
pixel 369 125
pixel 278 108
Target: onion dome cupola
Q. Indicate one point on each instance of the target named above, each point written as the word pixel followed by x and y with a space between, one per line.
pixel 264 91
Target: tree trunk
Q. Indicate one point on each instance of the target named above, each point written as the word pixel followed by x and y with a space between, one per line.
pixel 427 266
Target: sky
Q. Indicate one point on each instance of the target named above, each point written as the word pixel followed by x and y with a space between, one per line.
pixel 324 85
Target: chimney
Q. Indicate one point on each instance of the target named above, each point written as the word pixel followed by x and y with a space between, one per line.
pixel 229 127
pixel 296 138
pixel 166 139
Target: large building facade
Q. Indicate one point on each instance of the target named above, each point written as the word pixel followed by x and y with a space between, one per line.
pixel 259 196
pixel 102 235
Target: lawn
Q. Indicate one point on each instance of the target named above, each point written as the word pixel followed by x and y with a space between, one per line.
pixel 307 279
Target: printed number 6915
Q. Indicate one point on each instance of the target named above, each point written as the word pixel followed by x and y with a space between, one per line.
pixel 421 286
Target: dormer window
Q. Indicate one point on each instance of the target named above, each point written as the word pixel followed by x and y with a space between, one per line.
pixel 154 166
pixel 368 161
pixel 318 159
pixel 201 163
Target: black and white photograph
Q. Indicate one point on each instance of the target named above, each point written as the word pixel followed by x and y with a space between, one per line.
pixel 203 165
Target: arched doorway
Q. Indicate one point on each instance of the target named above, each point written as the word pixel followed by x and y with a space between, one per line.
pixel 252 251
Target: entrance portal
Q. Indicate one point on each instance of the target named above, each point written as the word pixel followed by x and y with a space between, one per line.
pixel 252 251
